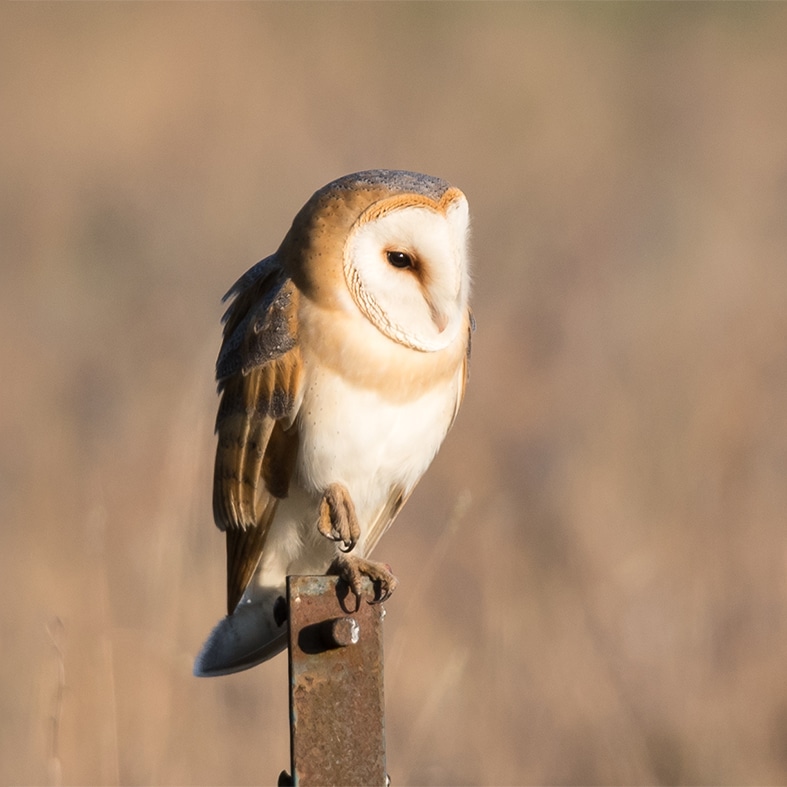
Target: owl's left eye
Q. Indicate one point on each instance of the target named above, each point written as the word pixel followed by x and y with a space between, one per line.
pixel 399 259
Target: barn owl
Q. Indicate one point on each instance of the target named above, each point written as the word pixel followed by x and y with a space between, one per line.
pixel 342 368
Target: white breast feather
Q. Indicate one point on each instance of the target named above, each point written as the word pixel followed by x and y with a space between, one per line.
pixel 358 438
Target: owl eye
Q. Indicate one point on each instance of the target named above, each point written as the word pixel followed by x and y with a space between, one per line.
pixel 399 259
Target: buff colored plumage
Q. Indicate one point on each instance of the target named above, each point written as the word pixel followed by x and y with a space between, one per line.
pixel 342 367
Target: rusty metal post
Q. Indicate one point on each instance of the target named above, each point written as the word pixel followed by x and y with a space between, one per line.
pixel 337 728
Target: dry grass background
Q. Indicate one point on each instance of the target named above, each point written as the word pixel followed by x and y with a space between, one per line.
pixel 593 585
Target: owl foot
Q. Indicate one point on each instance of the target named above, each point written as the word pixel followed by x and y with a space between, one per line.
pixel 337 517
pixel 352 569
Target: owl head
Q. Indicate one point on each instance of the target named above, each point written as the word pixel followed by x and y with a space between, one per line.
pixel 391 244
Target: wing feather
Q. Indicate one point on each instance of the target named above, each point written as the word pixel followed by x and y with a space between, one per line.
pixel 259 373
pixel 397 497
pixel 244 548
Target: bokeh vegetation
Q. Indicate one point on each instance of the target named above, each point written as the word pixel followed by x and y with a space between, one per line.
pixel 593 585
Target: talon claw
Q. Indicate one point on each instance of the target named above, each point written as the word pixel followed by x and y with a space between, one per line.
pixel 385 591
pixel 337 520
pixel 352 568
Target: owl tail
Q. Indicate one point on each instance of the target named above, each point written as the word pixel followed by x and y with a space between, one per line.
pixel 254 633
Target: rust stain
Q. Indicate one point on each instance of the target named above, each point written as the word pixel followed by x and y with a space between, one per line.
pixel 336 686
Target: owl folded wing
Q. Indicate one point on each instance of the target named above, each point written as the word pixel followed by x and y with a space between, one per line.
pixel 259 375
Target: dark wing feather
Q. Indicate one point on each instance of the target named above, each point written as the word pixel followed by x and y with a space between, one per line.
pixel 258 372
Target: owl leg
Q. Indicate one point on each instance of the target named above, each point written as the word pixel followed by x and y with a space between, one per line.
pixel 337 517
pixel 352 569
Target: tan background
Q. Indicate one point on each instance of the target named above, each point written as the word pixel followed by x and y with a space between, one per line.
pixel 593 585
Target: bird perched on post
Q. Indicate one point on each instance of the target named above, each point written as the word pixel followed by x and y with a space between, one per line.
pixel 343 365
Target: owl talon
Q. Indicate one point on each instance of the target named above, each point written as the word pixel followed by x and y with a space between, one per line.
pixel 352 569
pixel 338 521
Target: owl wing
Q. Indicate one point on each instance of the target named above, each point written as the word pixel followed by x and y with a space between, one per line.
pixel 465 373
pixel 259 374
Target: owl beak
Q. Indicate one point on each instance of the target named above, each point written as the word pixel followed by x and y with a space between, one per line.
pixel 442 305
pixel 440 319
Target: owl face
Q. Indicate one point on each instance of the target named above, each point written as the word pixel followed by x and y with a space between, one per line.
pixel 405 264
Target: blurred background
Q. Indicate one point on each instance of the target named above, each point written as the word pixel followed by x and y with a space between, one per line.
pixel 593 585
